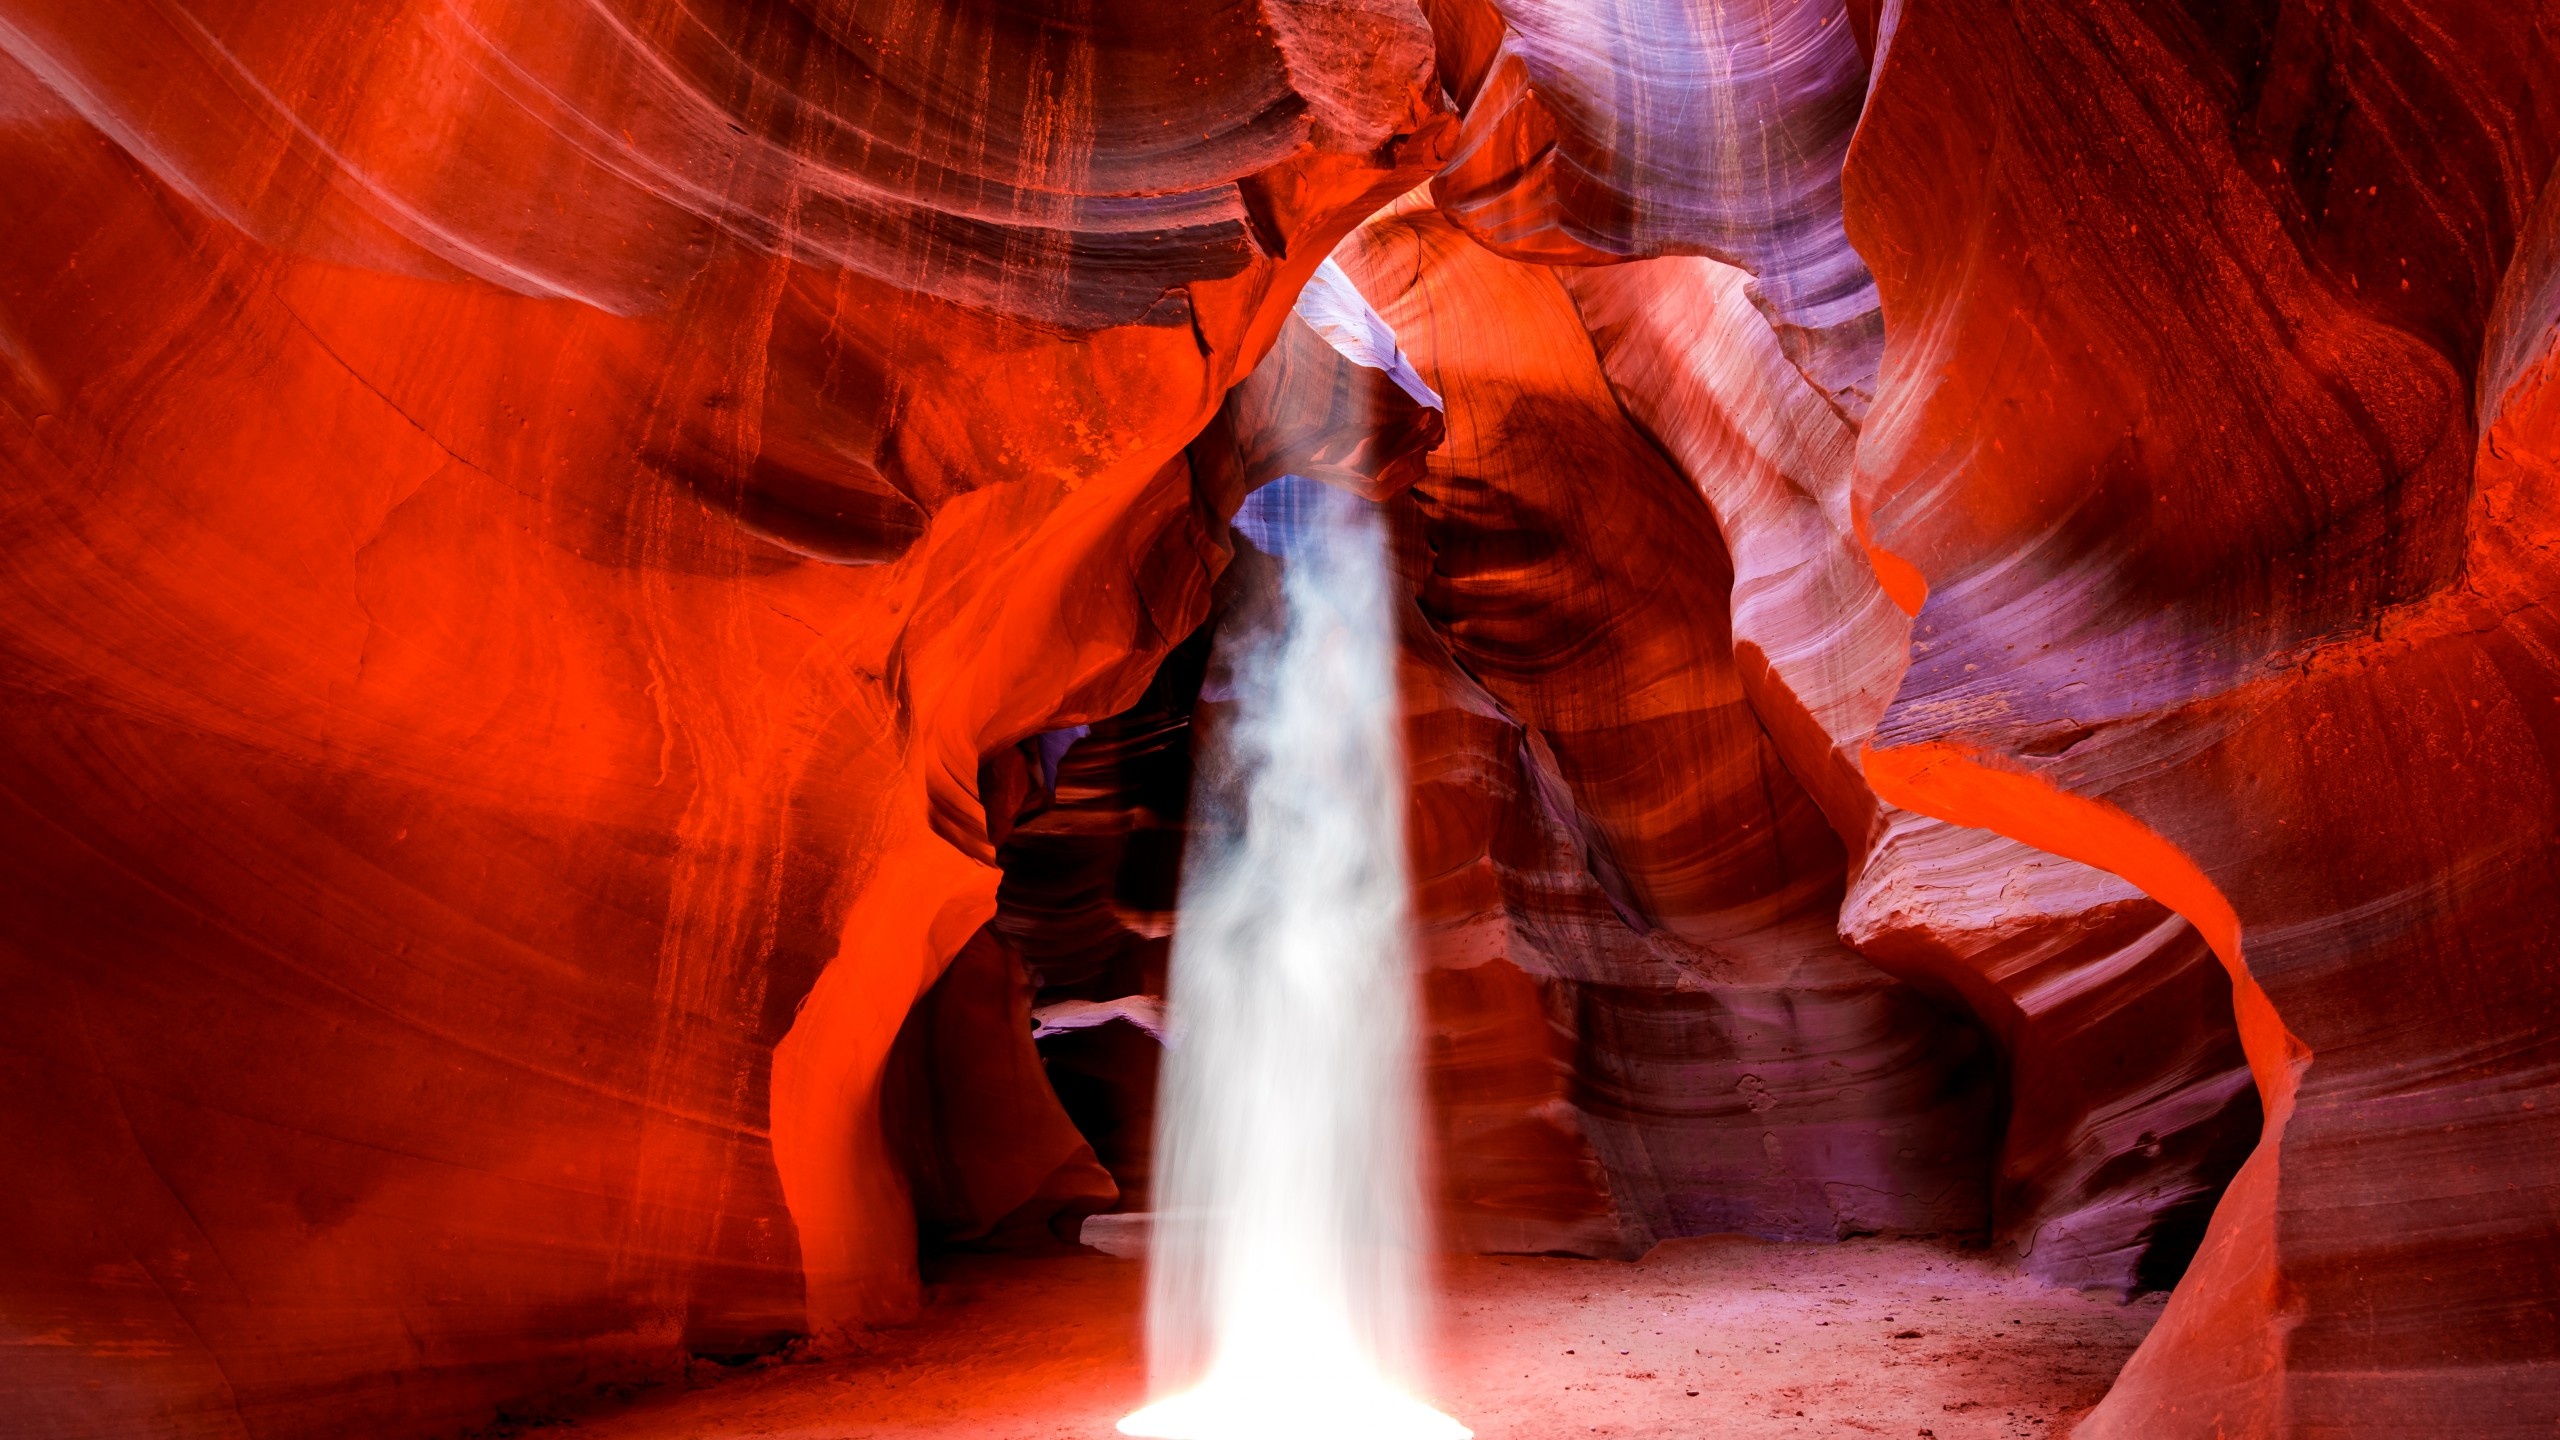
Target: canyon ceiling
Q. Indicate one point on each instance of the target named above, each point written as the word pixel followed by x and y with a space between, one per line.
pixel 599 601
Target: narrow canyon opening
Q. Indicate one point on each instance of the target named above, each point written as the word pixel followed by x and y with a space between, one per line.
pixel 1674 1053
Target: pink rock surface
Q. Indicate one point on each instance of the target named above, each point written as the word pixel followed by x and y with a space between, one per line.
pixel 2219 534
pixel 2115 1143
pixel 1634 838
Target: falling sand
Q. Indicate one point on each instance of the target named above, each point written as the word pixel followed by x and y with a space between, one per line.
pixel 1868 1337
pixel 1284 1292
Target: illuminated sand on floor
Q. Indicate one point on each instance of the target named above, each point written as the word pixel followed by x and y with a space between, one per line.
pixel 1868 1337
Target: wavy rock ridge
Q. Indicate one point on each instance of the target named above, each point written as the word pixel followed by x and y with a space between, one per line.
pixel 605 607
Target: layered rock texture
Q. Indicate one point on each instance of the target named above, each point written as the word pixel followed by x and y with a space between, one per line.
pixel 523 523
pixel 605 608
pixel 2222 522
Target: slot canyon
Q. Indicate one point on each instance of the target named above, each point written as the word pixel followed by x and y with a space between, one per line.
pixel 611 611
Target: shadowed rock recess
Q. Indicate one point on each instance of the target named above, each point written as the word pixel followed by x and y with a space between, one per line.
pixel 603 610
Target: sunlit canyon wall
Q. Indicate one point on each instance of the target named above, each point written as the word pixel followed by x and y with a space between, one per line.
pixel 1976 622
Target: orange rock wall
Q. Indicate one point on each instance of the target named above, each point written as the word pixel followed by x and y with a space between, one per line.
pixel 510 577
pixel 552 557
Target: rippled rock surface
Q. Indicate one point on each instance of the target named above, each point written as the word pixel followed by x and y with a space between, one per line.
pixel 596 698
pixel 1608 827
pixel 2118 1138
pixel 2213 453
pixel 523 522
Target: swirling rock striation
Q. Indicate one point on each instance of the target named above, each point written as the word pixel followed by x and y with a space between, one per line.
pixel 2118 1138
pixel 2222 521
pixel 1600 133
pixel 512 571
pixel 1594 136
pixel 582 582
pixel 1617 825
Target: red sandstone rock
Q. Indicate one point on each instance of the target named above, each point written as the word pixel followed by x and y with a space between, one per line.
pixel 1644 852
pixel 2221 585
pixel 2118 1138
pixel 1600 134
pixel 987 1149
pixel 537 538
pixel 474 849
pixel 1567 155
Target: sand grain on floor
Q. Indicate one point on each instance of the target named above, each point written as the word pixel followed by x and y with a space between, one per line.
pixel 1716 1339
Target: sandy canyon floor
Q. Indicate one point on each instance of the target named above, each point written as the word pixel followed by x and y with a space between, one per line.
pixel 1718 1339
